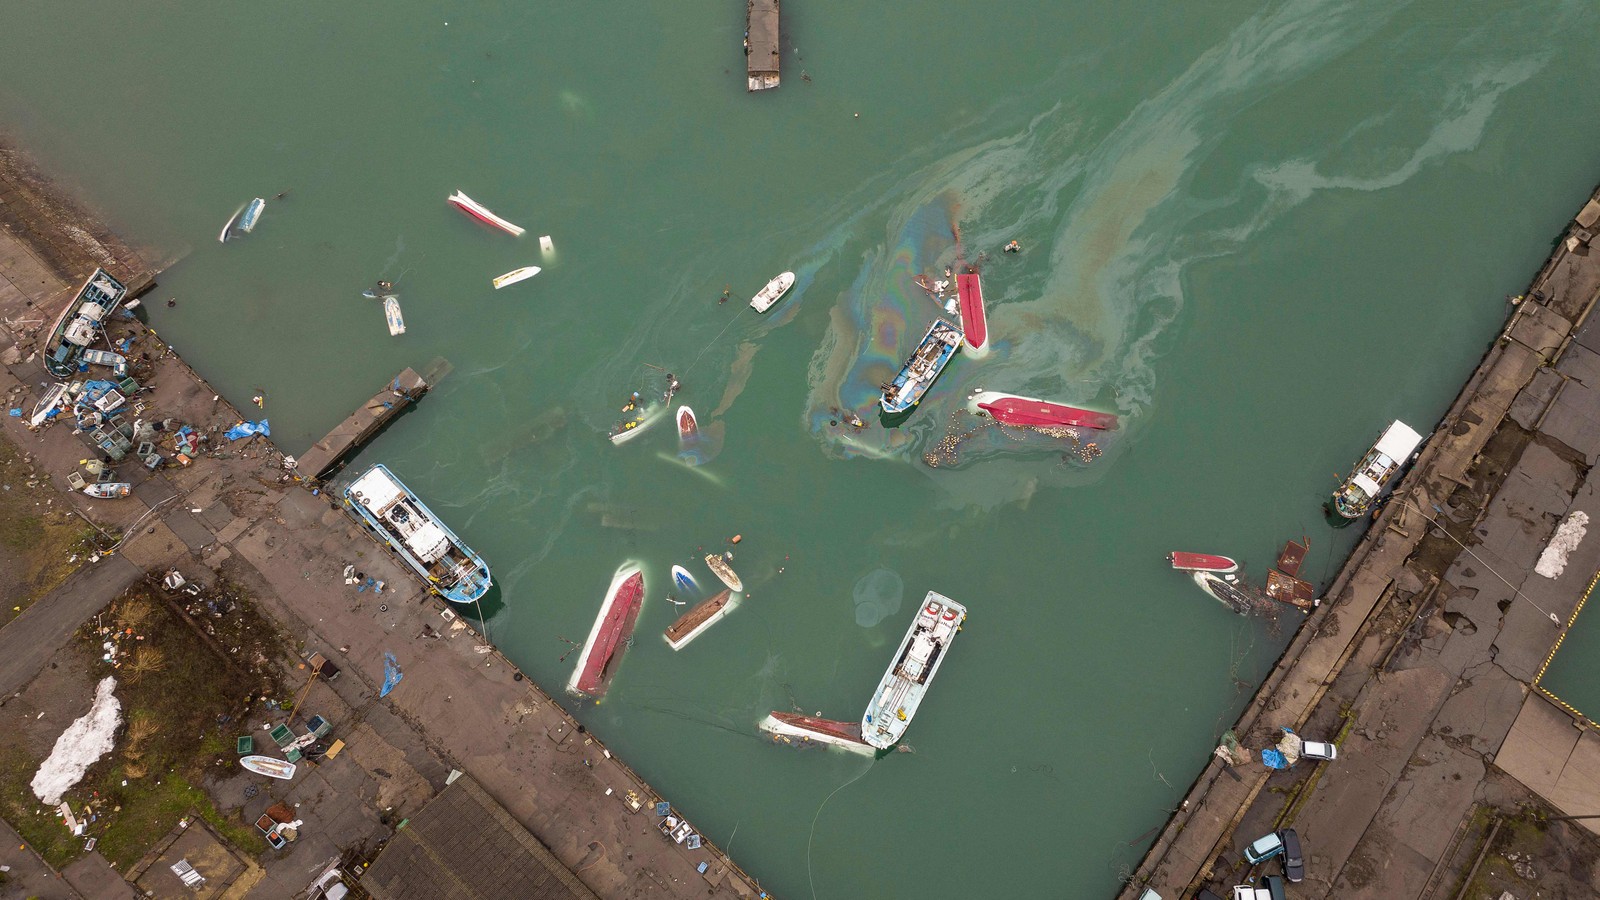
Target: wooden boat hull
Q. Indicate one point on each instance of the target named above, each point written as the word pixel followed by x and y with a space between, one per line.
pixel 724 572
pixel 696 621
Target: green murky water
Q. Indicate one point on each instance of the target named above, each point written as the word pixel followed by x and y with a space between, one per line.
pixel 1256 232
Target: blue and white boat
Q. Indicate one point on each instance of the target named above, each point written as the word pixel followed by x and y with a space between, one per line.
pixel 410 529
pixel 926 362
pixel 82 323
pixel 912 670
pixel 252 214
pixel 684 582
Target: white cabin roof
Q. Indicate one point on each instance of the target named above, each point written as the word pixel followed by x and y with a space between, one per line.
pixel 1398 442
pixel 429 542
pixel 1365 485
pixel 376 491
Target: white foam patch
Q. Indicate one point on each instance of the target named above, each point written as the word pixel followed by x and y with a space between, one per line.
pixel 1553 561
pixel 80 746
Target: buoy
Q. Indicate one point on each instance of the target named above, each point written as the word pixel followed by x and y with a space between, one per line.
pixel 737 538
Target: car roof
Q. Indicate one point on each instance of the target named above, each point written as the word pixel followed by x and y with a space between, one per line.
pixel 1267 840
pixel 1290 838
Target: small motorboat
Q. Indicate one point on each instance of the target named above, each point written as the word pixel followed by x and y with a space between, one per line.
pixel 252 214
pixel 773 292
pixel 683 581
pixel 391 313
pixel 110 490
pixel 688 428
pixel 47 404
pixel 974 322
pixel 1201 562
pixel 719 567
pixel 516 275
pixel 643 419
pixel 269 766
pixel 480 212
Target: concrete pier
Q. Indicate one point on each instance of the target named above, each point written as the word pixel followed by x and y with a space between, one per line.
pixel 762 57
pixel 361 425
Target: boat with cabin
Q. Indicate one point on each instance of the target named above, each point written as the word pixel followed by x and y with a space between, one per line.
pixel 611 634
pixel 702 616
pixel 1031 412
pixel 410 529
pixel 793 728
pixel 974 321
pixel 480 212
pixel 911 670
pixel 934 351
pixel 82 322
pixel 718 565
pixel 1375 474
pixel 773 292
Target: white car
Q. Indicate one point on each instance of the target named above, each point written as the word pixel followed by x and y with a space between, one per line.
pixel 1318 750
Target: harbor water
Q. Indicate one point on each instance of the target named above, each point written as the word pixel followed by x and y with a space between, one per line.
pixel 1256 232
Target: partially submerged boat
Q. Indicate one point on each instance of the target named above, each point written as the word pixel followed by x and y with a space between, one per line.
pixel 793 728
pixel 82 322
pixel 688 428
pixel 911 670
pixel 1376 472
pixel 1226 589
pixel 719 567
pixel 252 215
pixel 918 374
pixel 480 212
pixel 1015 409
pixel 411 530
pixel 269 766
pixel 516 275
pixel 391 314
pixel 683 581
pixel 702 616
pixel 109 490
pixel 233 220
pixel 1202 562
pixel 642 420
pixel 773 292
pixel 609 638
pixel 974 321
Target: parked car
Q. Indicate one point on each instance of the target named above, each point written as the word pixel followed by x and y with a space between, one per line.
pixel 1263 848
pixel 329 887
pixel 1294 865
pixel 1274 885
pixel 1318 750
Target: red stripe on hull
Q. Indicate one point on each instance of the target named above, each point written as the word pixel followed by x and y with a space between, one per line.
pixel 476 215
pixel 1023 411
pixel 1200 562
pixel 849 731
pixel 974 323
pixel 612 640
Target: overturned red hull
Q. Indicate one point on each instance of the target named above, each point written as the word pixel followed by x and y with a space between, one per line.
pixel 602 653
pixel 1201 562
pixel 974 322
pixel 1011 409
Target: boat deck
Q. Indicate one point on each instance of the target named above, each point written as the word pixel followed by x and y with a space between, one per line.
pixel 362 424
pixel 762 56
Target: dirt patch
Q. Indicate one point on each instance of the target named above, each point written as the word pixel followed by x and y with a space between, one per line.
pixel 41 540
pixel 1535 855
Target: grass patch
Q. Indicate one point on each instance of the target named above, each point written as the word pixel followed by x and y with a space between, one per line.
pixel 41 540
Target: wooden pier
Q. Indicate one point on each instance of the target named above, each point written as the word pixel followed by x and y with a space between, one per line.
pixel 761 44
pixel 362 424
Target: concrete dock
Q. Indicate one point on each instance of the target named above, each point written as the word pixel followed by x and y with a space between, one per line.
pixel 762 56
pixel 1423 654
pixel 359 427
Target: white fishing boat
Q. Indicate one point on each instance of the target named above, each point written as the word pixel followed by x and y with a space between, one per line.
pixel 773 292
pixel 252 214
pixel 269 766
pixel 110 490
pixel 912 670
pixel 391 312
pixel 800 731
pixel 719 567
pixel 480 212
pixel 1375 473
pixel 47 404
pixel 516 275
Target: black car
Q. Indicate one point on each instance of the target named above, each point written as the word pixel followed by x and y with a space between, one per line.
pixel 1274 886
pixel 1294 865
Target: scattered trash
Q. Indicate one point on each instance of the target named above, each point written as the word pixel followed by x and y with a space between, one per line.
pixel 391 674
pixel 248 429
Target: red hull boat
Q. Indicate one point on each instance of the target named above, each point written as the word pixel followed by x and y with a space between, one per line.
pixel 974 323
pixel 609 638
pixel 792 726
pixel 1201 562
pixel 1011 409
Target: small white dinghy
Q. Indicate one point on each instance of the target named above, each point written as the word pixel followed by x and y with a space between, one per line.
pixel 110 490
pixel 516 275
pixel 269 766
pixel 47 404
pixel 391 312
pixel 773 292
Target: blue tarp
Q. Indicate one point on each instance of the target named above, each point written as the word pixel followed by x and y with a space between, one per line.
pixel 1273 759
pixel 249 429
pixel 391 674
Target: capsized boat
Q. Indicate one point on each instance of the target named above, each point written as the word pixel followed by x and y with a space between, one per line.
pixel 269 766
pixel 1015 409
pixel 642 420
pixel 702 616
pixel 926 362
pixel 1201 562
pixel 516 275
pixel 1377 471
pixel 719 567
pixel 683 581
pixel 391 314
pixel 252 214
pixel 47 404
pixel 227 230
pixel 611 634
pixel 480 212
pixel 109 490
pixel 411 530
pixel 794 728
pixel 687 426
pixel 773 292
pixel 81 322
pixel 1226 589
pixel 912 670
pixel 974 321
